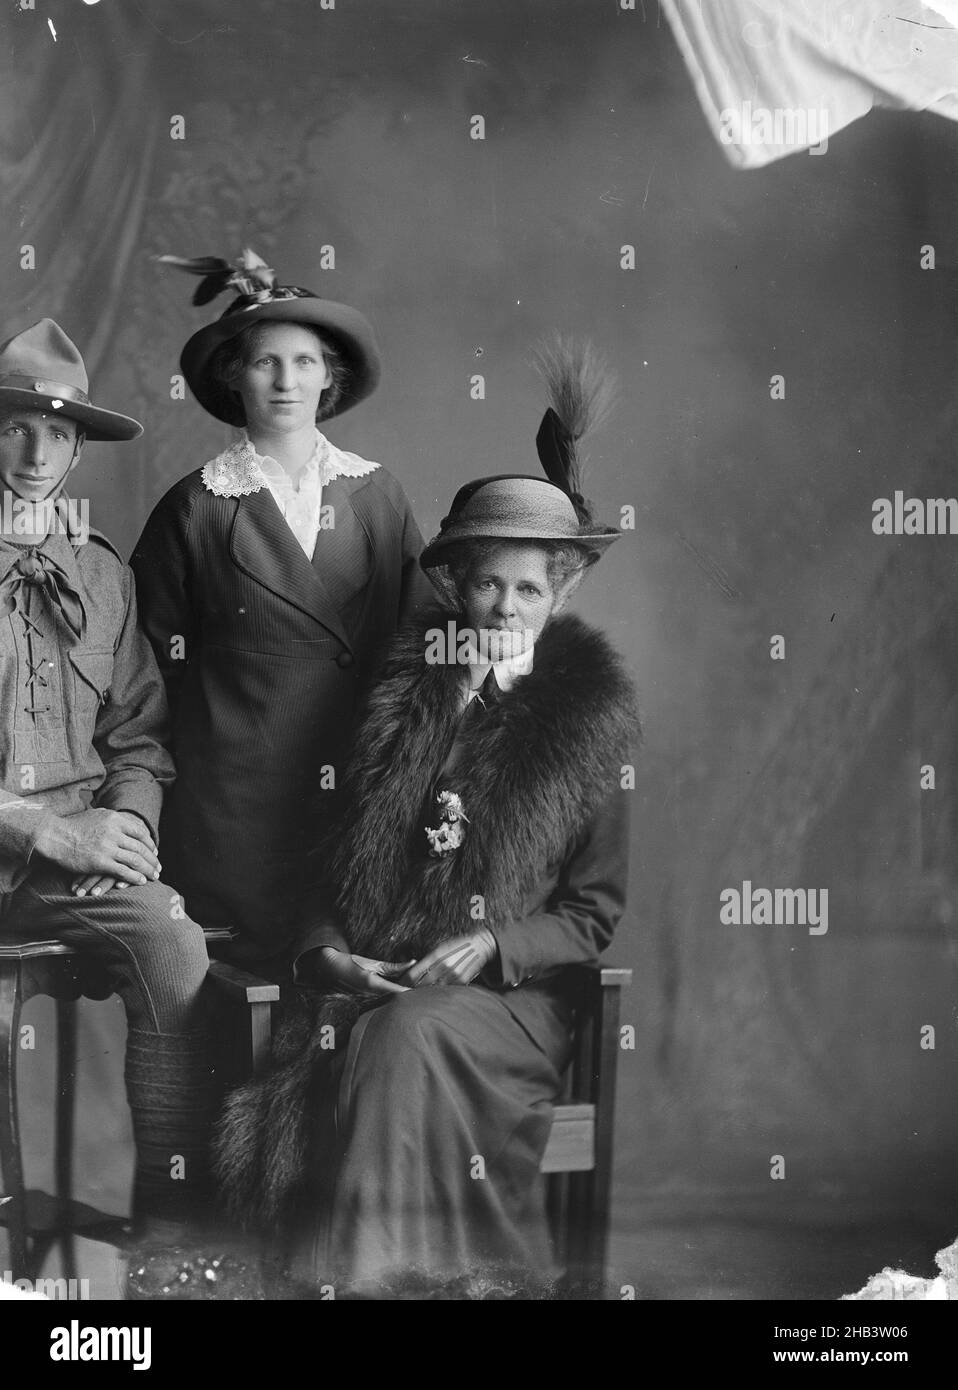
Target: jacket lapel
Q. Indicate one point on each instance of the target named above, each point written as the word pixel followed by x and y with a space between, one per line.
pixel 263 546
pixel 343 556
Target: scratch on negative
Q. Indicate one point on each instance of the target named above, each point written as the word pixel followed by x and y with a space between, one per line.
pixel 710 567
pixel 921 25
pixel 647 183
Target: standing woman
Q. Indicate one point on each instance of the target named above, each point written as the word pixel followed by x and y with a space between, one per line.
pixel 269 581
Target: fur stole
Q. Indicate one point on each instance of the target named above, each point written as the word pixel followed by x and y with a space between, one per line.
pixel 529 773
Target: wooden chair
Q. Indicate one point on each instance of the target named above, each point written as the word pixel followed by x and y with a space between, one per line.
pixel 36 1220
pixel 577 1161
pixel 578 1157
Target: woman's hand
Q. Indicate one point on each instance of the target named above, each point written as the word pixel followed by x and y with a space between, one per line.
pixel 455 962
pixel 359 974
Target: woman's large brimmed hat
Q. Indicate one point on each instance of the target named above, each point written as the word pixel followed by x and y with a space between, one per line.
pixel 260 300
pixel 514 506
pixel 41 369
pixel 520 507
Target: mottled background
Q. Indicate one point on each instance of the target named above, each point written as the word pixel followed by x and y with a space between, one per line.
pixel 350 127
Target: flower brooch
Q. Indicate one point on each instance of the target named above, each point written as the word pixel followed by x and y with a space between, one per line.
pixel 450 833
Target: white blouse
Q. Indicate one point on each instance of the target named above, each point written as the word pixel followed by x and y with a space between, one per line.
pixel 240 470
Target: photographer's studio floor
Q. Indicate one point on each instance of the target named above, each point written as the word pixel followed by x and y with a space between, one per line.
pixel 665 1247
pixel 676 1257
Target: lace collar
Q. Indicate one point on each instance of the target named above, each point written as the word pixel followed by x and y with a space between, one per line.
pixel 236 471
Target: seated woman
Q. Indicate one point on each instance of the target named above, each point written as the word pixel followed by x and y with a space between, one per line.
pixel 484 847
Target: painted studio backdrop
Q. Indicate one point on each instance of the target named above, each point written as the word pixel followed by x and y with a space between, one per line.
pixel 338 142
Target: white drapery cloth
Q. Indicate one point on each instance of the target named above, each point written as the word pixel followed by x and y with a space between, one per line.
pixel 777 76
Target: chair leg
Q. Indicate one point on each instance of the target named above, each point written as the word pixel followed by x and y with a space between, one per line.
pixel 557 1208
pixel 261 1034
pixel 596 1187
pixel 590 1192
pixel 11 1158
pixel 63 1142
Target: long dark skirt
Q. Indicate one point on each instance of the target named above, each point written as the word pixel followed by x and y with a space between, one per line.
pixel 442 1114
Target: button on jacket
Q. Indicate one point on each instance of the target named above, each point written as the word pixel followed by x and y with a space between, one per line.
pixel 82 717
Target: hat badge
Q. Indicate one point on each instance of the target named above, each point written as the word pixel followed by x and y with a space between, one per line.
pixel 43 387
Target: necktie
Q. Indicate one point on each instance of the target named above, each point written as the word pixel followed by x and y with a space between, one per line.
pixel 35 569
pixel 476 710
pixel 489 693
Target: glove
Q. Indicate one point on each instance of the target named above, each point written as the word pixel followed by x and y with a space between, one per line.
pixel 455 962
pixel 358 974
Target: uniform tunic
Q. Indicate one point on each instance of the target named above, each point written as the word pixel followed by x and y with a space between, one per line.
pixel 83 726
pixel 82 719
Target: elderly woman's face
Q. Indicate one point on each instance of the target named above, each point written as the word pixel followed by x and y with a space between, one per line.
pixel 283 380
pixel 507 592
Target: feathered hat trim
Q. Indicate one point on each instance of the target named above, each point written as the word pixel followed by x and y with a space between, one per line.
pixel 521 507
pixel 258 297
pixel 580 392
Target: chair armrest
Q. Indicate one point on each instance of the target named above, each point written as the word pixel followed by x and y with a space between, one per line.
pixel 250 1001
pixel 597 1030
pixel 241 987
pixel 614 976
pixel 598 975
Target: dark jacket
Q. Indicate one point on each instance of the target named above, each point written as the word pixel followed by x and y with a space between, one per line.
pixel 264 655
pixel 88 729
pixel 544 860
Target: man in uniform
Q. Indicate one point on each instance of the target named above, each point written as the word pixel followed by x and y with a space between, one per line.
pixel 83 767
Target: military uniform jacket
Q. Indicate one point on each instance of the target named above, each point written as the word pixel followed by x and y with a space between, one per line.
pixel 82 713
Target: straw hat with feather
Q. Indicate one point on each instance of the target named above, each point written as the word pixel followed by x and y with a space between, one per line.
pixel 518 506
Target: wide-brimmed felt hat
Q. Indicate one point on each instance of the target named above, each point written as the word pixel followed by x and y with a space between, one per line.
pixel 262 300
pixel 41 369
pixel 518 507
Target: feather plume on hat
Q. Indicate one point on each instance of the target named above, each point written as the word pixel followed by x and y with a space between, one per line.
pixel 581 391
pixel 248 274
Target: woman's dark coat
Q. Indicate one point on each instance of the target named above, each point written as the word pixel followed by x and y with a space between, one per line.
pixel 264 655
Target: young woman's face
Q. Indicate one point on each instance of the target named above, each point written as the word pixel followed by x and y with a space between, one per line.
pixel 508 592
pixel 283 379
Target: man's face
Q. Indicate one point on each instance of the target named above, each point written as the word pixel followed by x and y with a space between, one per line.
pixel 284 379
pixel 508 593
pixel 37 450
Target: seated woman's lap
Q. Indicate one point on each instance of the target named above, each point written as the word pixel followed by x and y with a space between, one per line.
pixel 527 1031
pixel 443 1112
pixel 464 1047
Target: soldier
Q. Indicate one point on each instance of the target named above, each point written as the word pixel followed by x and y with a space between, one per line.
pixel 83 768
